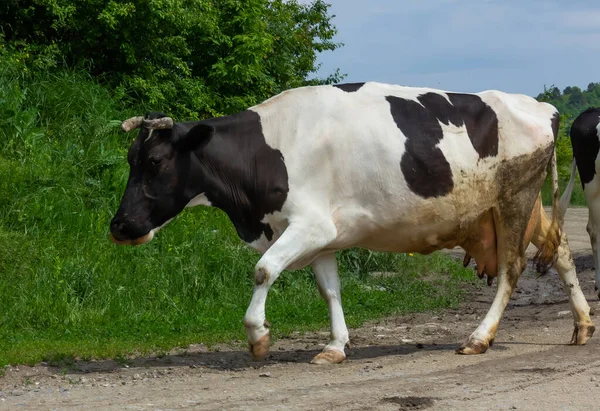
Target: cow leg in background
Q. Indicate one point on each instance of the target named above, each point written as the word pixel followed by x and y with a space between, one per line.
pixel 300 240
pixel 593 228
pixel 511 263
pixel 325 268
pixel 584 328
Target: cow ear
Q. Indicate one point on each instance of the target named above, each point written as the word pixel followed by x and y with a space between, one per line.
pixel 196 137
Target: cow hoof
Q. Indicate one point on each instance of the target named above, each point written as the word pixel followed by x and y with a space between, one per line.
pixel 260 348
pixel 473 346
pixel 582 333
pixel 329 357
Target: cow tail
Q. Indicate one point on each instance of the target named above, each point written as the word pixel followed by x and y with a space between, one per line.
pixel 547 253
pixel 565 199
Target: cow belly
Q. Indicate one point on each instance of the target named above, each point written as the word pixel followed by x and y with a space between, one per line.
pixel 404 238
pixel 477 237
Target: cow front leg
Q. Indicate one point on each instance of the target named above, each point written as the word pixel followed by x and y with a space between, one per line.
pixel 328 281
pixel 299 241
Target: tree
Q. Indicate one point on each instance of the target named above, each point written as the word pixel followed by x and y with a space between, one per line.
pixel 195 57
pixel 576 97
pixel 549 94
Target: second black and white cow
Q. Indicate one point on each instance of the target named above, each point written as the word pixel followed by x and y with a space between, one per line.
pixel 388 168
pixel 585 140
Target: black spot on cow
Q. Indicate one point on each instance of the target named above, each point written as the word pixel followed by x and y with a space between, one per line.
pixel 441 109
pixel 481 122
pixel 349 87
pixel 468 110
pixel 242 175
pixel 586 143
pixel 424 166
pixel 426 170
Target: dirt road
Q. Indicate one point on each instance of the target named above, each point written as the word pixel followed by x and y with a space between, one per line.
pixel 402 363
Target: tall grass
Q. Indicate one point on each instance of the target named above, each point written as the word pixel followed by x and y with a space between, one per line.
pixel 65 289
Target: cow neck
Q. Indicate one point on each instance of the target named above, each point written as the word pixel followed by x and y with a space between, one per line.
pixel 241 173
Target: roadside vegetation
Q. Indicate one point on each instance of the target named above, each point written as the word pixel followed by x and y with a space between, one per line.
pixel 65 290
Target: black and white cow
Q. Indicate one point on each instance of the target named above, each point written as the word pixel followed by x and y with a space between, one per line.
pixel 585 140
pixel 388 168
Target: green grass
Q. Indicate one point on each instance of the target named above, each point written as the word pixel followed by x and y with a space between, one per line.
pixel 67 292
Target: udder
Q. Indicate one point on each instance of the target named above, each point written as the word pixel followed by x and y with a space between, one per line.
pixel 481 245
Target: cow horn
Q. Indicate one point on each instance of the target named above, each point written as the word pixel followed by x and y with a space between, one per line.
pixel 131 123
pixel 159 123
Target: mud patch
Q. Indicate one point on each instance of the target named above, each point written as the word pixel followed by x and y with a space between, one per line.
pixel 537 370
pixel 583 261
pixel 410 403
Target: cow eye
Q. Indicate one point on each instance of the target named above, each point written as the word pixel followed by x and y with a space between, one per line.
pixel 155 160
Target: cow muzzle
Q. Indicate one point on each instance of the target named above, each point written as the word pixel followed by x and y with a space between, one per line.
pixel 121 233
pixel 141 240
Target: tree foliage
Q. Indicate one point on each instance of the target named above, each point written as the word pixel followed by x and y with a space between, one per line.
pixel 195 57
pixel 572 100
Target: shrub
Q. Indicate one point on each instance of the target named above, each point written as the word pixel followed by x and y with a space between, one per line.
pixel 198 58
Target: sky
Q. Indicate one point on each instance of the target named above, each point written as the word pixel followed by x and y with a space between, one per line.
pixel 467 45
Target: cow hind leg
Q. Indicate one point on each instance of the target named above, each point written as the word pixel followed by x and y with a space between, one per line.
pixel 566 270
pixel 325 268
pixel 593 229
pixel 510 232
pixel 482 338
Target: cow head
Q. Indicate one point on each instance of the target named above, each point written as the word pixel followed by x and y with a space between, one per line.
pixel 159 186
